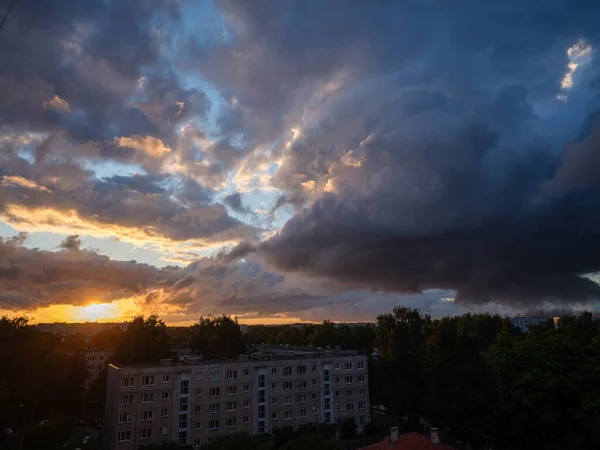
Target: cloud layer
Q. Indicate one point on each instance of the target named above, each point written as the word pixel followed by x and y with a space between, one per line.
pixel 350 155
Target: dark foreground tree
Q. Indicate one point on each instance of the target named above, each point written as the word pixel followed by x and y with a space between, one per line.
pixel 217 336
pixel 144 341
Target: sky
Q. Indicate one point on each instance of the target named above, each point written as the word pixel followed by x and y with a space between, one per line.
pixel 285 161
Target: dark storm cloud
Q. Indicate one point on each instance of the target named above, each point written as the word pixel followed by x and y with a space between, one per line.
pixel 235 202
pixel 441 156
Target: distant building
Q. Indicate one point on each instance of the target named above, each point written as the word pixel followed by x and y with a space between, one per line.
pixel 179 353
pixel 85 329
pixel 96 363
pixel 525 322
pixel 409 441
pixel 196 401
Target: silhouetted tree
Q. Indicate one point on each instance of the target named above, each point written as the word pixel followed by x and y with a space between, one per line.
pixel 217 336
pixel 144 341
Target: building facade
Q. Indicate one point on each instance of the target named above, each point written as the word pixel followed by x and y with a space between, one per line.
pixel 195 401
pixel 525 322
pixel 96 362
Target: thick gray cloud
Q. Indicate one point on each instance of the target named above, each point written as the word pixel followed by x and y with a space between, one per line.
pixel 442 148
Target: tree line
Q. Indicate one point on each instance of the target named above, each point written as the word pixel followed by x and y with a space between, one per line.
pixel 476 376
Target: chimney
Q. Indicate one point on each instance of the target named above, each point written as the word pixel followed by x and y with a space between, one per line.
pixel 394 434
pixel 435 436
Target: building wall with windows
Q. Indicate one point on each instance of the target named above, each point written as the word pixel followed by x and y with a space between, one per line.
pixel 196 401
pixel 96 363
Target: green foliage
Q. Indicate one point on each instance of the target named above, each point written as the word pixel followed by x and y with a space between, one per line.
pixel 144 341
pixel 106 340
pixel 310 442
pixel 348 428
pixel 242 440
pixel 45 373
pixel 217 336
pixel 325 334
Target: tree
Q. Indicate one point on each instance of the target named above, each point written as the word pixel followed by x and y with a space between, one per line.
pixel 241 440
pixel 144 341
pixel 217 336
pixel 310 442
pixel 348 428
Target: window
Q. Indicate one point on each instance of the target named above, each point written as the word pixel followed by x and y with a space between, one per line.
pixel 198 409
pixel 349 392
pixel 183 404
pixel 337 379
pixel 315 382
pixel 288 415
pixel 148 381
pixel 261 427
pixel 164 430
pixel 166 378
pixel 274 400
pixel 215 376
pixel 198 392
pixel 361 392
pixel 125 417
pixel 214 408
pixel 246 403
pixel 337 366
pixel 326 375
pixel 300 370
pixel 164 413
pixel 273 370
pixel 199 376
pixel 232 374
pixel 231 390
pixel 261 381
pixel 261 411
pixel 147 398
pixel 360 365
pixel 183 420
pixel 301 384
pixel 288 400
pixel 246 419
pixel 261 396
pixel 349 406
pixel 213 425
pixel 214 392
pixel 127 381
pixel 123 436
pixel 349 379
pixel 185 384
pixel 274 416
pixel 246 372
pixel 315 410
pixel 287 385
pixel 338 408
pixel 313 368
pixel 182 438
pixel 362 405
pixel 338 393
pixel 197 425
pixel 145 433
pixel 302 398
pixel 327 403
pixel 360 378
pixel 145 415
pixel 273 385
pixel 246 388
pixel 164 395
pixel 315 396
pixel 197 442
pixel 302 413
pixel 287 371
pixel 348 366
pixel 230 423
pixel 231 406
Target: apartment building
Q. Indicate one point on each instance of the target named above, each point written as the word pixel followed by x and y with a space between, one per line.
pixel 96 362
pixel 195 401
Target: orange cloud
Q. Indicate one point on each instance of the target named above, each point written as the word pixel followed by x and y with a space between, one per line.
pixel 152 146
pixel 58 104
pixel 22 182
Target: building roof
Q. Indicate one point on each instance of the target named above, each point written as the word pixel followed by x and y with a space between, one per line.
pixel 409 441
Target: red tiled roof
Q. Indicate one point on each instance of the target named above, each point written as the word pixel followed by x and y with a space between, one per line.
pixel 409 441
